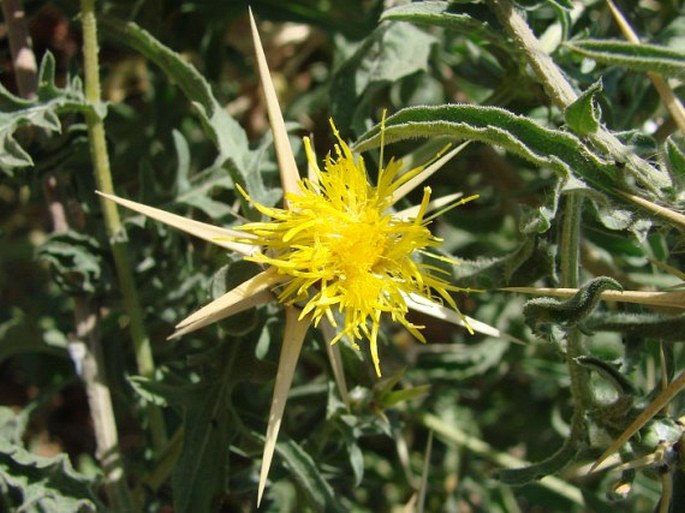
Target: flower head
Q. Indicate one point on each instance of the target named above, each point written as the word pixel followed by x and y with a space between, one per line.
pixel 343 253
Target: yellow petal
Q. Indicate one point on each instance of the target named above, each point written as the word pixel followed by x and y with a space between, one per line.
pixel 412 212
pixel 295 330
pixel 210 233
pixel 284 153
pixel 252 292
pixel 412 184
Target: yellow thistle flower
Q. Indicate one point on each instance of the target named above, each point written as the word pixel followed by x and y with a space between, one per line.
pixel 335 254
pixel 339 248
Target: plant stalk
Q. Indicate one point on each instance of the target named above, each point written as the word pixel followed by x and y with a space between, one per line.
pixel 569 249
pixel 115 229
pixel 562 94
pixel 92 364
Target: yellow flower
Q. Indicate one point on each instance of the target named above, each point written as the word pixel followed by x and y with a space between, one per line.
pixel 339 248
pixel 336 256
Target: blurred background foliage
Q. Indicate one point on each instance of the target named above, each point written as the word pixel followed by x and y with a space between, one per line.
pixel 490 403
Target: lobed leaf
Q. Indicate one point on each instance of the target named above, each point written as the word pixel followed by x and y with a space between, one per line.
pixel 442 14
pixel 41 112
pixel 34 483
pixel 75 262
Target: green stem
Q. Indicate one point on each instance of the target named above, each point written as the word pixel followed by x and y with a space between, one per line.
pixel 569 250
pixel 562 94
pixel 570 241
pixel 115 230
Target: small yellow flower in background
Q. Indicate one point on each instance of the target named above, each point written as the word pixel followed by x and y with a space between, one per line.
pixel 341 249
pixel 336 256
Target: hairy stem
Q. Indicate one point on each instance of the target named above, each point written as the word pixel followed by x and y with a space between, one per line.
pixel 115 230
pixel 562 94
pixel 569 250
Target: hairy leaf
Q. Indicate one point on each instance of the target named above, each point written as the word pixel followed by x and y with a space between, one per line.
pixel 442 14
pixel 638 57
pixel 556 462
pixel 584 114
pixel 544 310
pixel 498 127
pixel 675 157
pixel 669 328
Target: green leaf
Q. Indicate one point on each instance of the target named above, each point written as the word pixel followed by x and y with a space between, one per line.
pixel 564 4
pixel 498 127
pixel 13 425
pixel 638 57
pixel 609 372
pixel 22 333
pixel 407 394
pixel 304 470
pixel 199 477
pixel 537 4
pixel 75 262
pixel 442 14
pixel 551 465
pixel 545 310
pixel 228 136
pixel 33 483
pixel 668 328
pixel 393 51
pixel 583 115
pixel 678 497
pixel 41 112
pixel 674 149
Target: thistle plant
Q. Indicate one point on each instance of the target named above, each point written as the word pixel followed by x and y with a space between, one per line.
pixel 433 250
